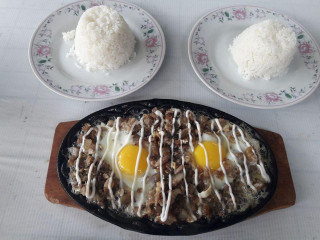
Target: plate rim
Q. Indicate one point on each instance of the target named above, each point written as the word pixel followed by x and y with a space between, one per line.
pixel 231 99
pixel 34 70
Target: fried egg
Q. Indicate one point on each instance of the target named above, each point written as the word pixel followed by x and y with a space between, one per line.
pixel 211 145
pixel 119 150
pixel 127 160
pixel 211 149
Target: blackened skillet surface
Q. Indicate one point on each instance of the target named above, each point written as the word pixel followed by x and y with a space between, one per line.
pixel 144 225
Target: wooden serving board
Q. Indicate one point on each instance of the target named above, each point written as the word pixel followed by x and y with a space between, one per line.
pixel 284 196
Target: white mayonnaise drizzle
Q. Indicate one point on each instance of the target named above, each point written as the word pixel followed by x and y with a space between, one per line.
pixel 159 114
pixel 93 192
pixel 117 165
pixel 80 151
pixel 123 145
pixel 148 168
pixel 221 163
pixel 234 158
pixel 196 177
pixel 110 190
pixel 113 160
pixel 244 158
pixel 207 163
pixel 111 130
pixel 264 175
pixel 184 177
pixel 164 216
pixel 189 131
pixel 196 170
pixel 176 111
pixel 137 163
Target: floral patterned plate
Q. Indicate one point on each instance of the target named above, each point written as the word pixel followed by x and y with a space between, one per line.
pixel 47 54
pixel 210 58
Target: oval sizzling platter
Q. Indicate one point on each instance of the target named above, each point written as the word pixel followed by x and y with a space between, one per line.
pixel 143 225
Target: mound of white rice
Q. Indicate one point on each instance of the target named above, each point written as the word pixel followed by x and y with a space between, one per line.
pixel 264 50
pixel 103 40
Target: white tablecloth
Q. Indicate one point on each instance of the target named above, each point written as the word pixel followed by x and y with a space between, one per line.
pixel 29 113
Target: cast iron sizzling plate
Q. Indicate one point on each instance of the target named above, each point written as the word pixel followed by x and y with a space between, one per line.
pixel 144 225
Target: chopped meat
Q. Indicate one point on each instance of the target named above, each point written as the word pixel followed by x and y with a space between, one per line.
pixel 227 166
pixel 86 128
pixel 239 156
pixel 88 161
pixel 88 146
pixel 219 174
pixel 167 140
pixel 110 123
pixel 194 195
pixel 178 170
pixel 158 193
pixel 126 198
pixel 251 157
pixel 72 160
pixel 206 211
pixel 226 128
pixel 106 185
pixel 231 139
pixel 177 179
pixel 166 153
pixel 185 133
pixel 127 125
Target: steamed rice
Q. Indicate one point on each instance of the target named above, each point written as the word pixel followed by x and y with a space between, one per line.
pixel 264 50
pixel 103 40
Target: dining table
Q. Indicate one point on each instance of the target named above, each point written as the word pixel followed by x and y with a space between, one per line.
pixel 30 113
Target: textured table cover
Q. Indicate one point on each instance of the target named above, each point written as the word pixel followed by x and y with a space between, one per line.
pixel 29 113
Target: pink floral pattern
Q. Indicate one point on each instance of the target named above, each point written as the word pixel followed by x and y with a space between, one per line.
pixel 272 97
pixel 44 50
pixel 305 48
pixel 101 90
pixel 240 14
pixel 93 4
pixel 151 42
pixel 203 58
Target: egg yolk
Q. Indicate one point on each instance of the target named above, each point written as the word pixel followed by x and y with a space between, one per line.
pixel 212 149
pixel 127 159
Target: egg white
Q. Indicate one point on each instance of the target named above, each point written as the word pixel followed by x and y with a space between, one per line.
pixel 209 138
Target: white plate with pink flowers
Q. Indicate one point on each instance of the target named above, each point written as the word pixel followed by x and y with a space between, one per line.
pixel 47 54
pixel 211 60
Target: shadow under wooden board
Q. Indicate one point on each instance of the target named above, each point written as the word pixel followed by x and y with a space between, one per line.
pixel 284 196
